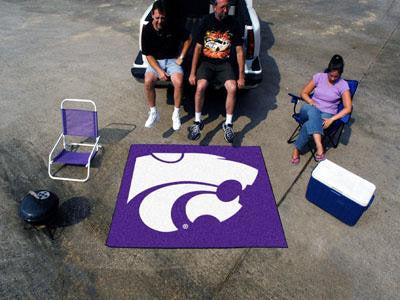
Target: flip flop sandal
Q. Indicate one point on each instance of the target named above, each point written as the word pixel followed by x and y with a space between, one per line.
pixel 320 157
pixel 295 160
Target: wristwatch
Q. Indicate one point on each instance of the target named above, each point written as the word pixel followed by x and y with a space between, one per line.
pixel 181 56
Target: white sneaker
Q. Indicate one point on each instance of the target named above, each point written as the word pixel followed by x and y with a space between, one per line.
pixel 153 118
pixel 176 121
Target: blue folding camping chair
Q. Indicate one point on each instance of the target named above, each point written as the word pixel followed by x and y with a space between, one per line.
pixel 76 123
pixel 333 133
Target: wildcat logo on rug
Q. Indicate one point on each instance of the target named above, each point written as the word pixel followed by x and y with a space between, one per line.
pixel 172 176
pixel 180 196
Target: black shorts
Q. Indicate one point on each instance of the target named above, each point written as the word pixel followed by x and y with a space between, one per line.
pixel 218 73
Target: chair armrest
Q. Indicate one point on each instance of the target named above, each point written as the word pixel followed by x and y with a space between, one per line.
pixel 295 99
pixel 54 147
pixel 95 147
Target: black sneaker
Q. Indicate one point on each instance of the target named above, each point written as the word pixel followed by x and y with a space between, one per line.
pixel 194 130
pixel 228 132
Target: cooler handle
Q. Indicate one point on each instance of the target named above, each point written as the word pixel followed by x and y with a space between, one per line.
pixel 336 192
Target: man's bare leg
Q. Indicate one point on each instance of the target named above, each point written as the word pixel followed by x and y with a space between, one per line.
pixel 199 96
pixel 230 86
pixel 149 89
pixel 177 81
pixel 194 130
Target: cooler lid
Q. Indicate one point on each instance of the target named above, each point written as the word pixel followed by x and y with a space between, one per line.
pixel 344 182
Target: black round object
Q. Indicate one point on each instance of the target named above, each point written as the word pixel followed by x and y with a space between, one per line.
pixel 38 207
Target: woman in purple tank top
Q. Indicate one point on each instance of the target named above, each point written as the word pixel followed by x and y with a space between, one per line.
pixel 321 109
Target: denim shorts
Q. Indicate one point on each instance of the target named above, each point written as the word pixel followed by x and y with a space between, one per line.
pixel 168 65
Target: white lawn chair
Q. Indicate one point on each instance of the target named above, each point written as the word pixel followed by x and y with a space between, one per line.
pixel 76 122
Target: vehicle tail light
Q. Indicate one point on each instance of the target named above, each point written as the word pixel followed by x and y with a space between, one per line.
pixel 250 44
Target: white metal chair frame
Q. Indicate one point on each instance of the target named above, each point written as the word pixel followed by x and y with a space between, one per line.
pixel 95 147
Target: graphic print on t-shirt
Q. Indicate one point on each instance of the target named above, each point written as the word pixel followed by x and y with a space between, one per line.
pixel 217 45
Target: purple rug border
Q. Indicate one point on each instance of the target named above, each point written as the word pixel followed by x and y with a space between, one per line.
pixel 126 179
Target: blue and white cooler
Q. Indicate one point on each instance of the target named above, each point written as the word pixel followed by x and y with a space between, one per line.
pixel 339 192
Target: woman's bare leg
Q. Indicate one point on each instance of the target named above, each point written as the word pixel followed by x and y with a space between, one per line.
pixel 318 143
pixel 295 153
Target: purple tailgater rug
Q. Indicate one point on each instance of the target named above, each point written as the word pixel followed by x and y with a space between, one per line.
pixel 181 196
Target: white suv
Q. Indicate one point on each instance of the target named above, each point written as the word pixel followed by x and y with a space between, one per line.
pixel 247 18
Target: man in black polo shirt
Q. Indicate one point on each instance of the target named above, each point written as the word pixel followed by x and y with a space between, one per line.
pixel 218 34
pixel 161 44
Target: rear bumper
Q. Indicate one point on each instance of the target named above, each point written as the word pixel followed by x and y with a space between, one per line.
pixel 253 76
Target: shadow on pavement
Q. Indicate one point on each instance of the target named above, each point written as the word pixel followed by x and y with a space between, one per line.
pixel 256 103
pixel 115 132
pixel 72 211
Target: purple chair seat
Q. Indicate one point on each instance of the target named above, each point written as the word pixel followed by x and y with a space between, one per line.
pixel 73 158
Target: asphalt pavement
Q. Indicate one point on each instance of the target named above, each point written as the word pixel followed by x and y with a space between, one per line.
pixel 51 50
